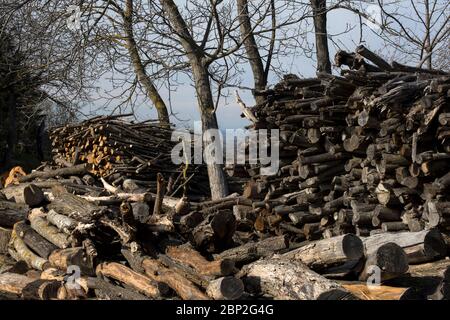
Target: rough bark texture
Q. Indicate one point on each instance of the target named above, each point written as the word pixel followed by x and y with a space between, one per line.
pixel 320 26
pixel 251 48
pixel 290 280
pixel 329 252
pixel 182 286
pixel 123 274
pixel 150 90
pixel 197 60
pixel 420 246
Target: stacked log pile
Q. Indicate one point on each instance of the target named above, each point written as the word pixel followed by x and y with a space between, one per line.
pixel 116 149
pixel 366 152
pixel 358 209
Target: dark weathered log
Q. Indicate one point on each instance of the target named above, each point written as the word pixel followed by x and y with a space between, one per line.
pixel 252 251
pixel 225 288
pixel 384 262
pixel 34 240
pixel 215 232
pixel 431 279
pixel 420 246
pixel 5 237
pixel 271 276
pixel 75 207
pixel 28 194
pixel 330 252
pixel 109 291
pixel 10 213
pixel 41 290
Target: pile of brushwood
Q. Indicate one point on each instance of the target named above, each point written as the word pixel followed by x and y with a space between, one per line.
pixel 361 198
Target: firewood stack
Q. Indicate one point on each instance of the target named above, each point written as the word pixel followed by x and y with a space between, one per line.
pixel 361 198
pixel 62 238
pixel 366 152
pixel 117 149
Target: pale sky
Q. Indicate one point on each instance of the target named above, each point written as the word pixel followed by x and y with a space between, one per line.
pixel 184 102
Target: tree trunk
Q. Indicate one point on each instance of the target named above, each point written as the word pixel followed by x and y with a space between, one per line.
pixel 199 66
pixel 139 68
pixel 12 130
pixel 320 26
pixel 251 49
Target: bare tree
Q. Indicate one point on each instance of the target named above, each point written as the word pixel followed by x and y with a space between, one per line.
pixel 199 62
pixel 413 31
pixel 124 22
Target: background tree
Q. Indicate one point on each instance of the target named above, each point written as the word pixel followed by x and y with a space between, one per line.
pixel 412 32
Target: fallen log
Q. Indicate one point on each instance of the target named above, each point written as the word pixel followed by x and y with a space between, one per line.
pixel 65 258
pixel 62 172
pixel 129 277
pixel 34 240
pixel 325 253
pixel 49 232
pixel 252 251
pixel 290 280
pixel 28 194
pixel 225 288
pixel 422 246
pixel 182 286
pixel 10 213
pixel 25 254
pixel 14 283
pixel 384 262
pixel 193 259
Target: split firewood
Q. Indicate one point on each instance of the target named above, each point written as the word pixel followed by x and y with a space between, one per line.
pixel 380 292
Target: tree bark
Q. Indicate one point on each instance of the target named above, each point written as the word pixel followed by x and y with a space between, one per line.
pixel 198 62
pixel 320 26
pixel 150 90
pixel 329 252
pixel 251 48
pixel 290 280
